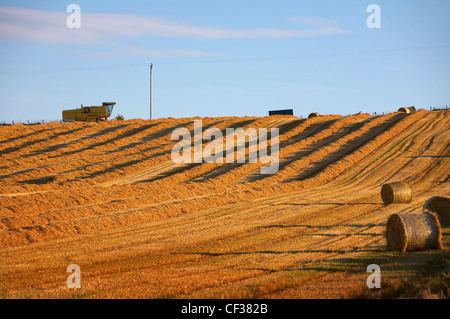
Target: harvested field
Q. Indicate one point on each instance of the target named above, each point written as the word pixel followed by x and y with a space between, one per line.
pixel 108 197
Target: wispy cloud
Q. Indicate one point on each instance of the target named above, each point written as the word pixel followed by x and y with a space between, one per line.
pixel 20 24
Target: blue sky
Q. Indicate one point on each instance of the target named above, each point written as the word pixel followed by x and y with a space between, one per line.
pixel 222 58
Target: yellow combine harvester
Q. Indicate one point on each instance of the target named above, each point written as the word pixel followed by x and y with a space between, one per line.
pixel 89 113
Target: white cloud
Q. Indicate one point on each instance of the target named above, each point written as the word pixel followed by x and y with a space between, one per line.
pixel 19 24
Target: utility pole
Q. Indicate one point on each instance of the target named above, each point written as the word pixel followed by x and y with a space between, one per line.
pixel 151 69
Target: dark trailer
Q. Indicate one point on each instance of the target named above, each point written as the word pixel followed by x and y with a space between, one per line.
pixel 282 112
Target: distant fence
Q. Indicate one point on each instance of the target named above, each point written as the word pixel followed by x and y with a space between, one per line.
pixel 29 122
pixel 438 108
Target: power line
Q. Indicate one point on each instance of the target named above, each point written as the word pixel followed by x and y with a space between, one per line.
pixel 320 55
pixel 151 79
pixel 237 60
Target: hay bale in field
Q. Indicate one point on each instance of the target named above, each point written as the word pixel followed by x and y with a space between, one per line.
pixel 313 115
pixel 396 192
pixel 413 232
pixel 441 207
pixel 407 110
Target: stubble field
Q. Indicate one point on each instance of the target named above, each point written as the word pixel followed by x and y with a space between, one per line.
pixel 108 197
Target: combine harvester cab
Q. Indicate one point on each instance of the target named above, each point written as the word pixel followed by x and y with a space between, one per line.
pixel 89 113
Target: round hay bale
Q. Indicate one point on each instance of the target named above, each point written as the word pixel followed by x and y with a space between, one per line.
pixel 407 110
pixel 313 115
pixel 396 192
pixel 441 207
pixel 413 232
